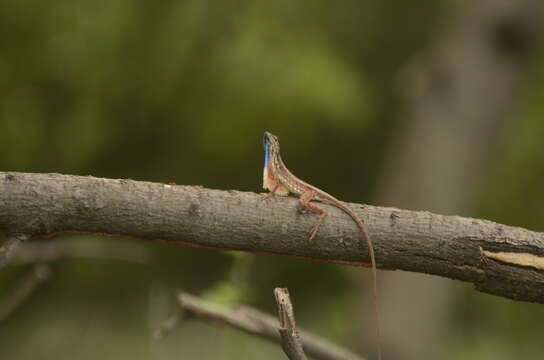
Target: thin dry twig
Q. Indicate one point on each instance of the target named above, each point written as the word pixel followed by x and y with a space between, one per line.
pixel 25 287
pixel 255 322
pixel 290 339
pixel 81 248
pixel 169 325
pixel 39 253
pixel 9 246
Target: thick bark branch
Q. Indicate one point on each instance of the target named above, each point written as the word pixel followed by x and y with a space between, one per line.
pixel 498 259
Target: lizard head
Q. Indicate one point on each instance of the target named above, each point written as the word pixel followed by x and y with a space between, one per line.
pixel 271 140
pixel 271 159
pixel 271 147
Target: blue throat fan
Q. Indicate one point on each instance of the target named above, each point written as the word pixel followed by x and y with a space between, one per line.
pixel 266 160
pixel 266 153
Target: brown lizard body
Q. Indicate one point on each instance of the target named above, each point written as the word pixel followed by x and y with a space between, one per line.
pixel 280 181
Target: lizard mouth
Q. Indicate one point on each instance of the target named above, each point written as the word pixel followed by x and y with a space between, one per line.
pixel 266 139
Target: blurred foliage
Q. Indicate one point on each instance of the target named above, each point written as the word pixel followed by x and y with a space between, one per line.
pixel 181 91
pixel 513 193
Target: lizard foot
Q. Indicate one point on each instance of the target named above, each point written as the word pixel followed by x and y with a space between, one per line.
pixel 265 196
pixel 302 209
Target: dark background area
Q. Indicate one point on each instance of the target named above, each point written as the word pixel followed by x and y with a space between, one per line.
pixel 182 91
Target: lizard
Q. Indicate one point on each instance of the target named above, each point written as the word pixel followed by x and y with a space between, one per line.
pixel 280 181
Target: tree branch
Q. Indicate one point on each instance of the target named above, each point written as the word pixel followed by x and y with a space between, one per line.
pixel 258 323
pixel 290 339
pixel 81 248
pixel 25 287
pixel 9 247
pixel 492 256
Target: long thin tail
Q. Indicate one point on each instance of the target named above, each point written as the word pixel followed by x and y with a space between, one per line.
pixel 374 275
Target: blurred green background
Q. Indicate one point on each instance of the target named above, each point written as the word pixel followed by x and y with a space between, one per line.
pixel 181 91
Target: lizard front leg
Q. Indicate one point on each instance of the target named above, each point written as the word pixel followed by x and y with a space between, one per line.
pixel 305 202
pixel 265 196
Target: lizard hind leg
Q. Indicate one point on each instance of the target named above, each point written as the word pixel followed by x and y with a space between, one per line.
pixel 304 202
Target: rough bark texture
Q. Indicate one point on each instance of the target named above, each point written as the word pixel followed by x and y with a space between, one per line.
pixel 449 246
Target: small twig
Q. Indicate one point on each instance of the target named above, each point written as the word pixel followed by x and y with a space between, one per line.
pixel 8 247
pixel 169 325
pixel 80 248
pixel 257 323
pixel 29 282
pixel 290 340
